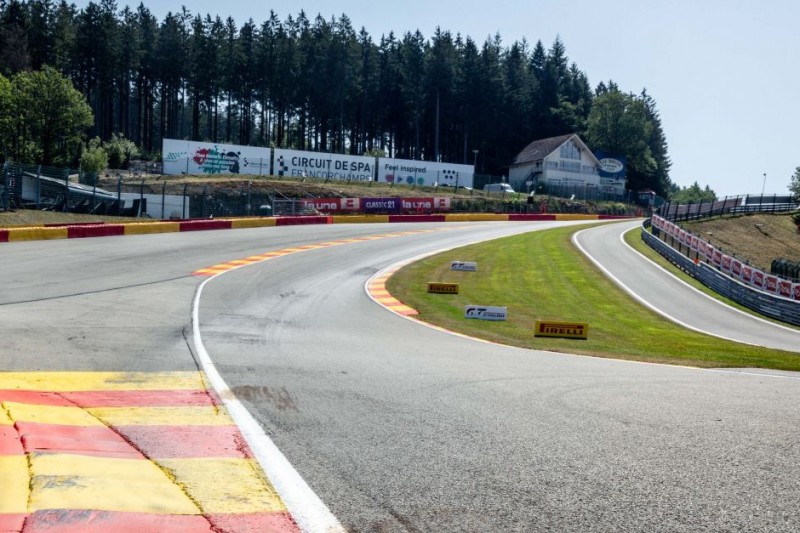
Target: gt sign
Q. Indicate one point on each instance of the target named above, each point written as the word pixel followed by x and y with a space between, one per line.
pixel 464 266
pixel 485 312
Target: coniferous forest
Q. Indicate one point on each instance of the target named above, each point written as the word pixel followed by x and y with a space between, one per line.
pixel 320 84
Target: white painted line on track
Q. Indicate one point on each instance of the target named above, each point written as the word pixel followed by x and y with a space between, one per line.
pixel 701 293
pixel 306 508
pixel 640 299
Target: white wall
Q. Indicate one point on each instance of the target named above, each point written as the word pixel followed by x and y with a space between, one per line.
pixel 173 205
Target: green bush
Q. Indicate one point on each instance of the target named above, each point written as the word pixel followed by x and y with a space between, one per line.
pixel 120 151
pixel 94 157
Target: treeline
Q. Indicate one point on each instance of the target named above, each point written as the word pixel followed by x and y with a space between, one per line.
pixel 318 84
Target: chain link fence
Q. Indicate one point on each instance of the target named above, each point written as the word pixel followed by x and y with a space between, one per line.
pixel 142 191
pixel 55 189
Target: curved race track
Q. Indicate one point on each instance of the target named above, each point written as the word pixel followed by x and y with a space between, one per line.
pixel 398 427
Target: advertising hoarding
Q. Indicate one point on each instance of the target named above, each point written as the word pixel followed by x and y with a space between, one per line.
pixel 323 165
pixel 567 330
pixel 435 287
pixel 464 266
pixel 332 205
pixel 376 206
pixel 785 288
pixel 486 312
pixel 197 158
pixel 426 205
pixel 611 166
pixel 427 173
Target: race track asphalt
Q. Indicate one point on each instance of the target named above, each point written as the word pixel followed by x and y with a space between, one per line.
pixel 399 427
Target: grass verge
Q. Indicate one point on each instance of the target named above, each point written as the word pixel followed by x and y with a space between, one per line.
pixel 540 275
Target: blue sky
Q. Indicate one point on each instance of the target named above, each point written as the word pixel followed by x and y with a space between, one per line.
pixel 724 74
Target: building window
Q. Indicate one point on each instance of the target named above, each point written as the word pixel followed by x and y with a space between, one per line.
pixel 589 170
pixel 571 166
pixel 570 151
pixel 550 165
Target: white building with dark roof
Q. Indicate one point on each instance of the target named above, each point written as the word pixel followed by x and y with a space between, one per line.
pixel 564 163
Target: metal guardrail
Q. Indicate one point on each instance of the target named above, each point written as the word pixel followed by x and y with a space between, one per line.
pixel 764 303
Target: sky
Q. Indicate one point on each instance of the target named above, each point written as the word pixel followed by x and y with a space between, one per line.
pixel 724 74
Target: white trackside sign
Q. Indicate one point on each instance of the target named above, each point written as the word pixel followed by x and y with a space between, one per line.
pixel 464 266
pixel 485 312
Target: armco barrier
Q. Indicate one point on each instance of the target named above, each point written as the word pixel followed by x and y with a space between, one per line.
pixel 65 224
pixel 147 228
pixel 769 305
pixel 531 218
pixel 203 225
pixel 360 219
pixel 97 230
pixel 416 218
pixel 242 223
pixel 476 217
pixel 299 221
pixel 80 230
pixel 574 216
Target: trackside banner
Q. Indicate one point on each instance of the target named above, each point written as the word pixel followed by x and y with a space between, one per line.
pixel 485 312
pixel 426 205
pixel 382 205
pixel 333 205
pixel 426 173
pixel 566 330
pixel 729 265
pixel 322 165
pixel 190 157
pixel 464 266
pixel 377 205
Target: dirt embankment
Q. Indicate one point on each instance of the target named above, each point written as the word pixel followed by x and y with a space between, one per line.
pixel 758 238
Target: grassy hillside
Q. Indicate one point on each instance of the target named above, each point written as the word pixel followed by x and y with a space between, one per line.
pixel 759 238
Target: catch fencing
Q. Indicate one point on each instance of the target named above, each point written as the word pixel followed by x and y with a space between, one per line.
pixel 134 193
pixel 730 205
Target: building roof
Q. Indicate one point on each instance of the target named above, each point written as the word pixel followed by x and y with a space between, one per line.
pixel 538 150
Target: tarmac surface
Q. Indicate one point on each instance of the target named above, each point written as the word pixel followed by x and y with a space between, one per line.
pixel 399 427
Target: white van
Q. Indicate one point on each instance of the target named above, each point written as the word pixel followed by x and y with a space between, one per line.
pixel 498 187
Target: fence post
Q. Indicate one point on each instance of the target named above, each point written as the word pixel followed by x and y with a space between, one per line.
pixel 183 211
pixel 66 191
pixel 141 198
pixel 38 185
pixel 163 198
pixel 247 205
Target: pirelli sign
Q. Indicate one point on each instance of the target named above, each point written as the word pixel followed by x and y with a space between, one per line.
pixel 567 330
pixel 442 288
